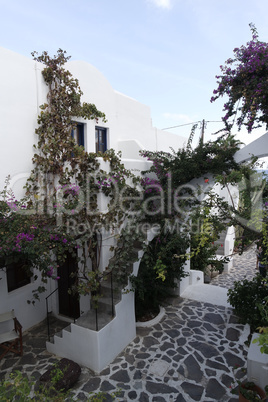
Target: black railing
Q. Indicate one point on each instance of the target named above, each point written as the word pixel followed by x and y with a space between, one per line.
pixel 112 294
pixel 96 318
pixel 95 307
pixel 48 329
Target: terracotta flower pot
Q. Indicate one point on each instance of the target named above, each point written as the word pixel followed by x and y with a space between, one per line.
pixel 255 388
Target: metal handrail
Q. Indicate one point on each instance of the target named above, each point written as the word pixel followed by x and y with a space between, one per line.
pixel 96 308
pixel 48 332
pixel 112 301
pixel 112 294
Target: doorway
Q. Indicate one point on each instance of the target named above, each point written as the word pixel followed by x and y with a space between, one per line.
pixel 69 305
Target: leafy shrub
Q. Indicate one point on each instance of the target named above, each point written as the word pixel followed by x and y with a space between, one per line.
pixel 245 298
pixel 159 271
pixel 207 256
pixel 18 387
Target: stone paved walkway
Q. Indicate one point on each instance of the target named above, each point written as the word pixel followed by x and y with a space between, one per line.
pixel 188 356
pixel 244 267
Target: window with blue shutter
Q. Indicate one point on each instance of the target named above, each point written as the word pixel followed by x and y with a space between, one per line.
pixel 101 139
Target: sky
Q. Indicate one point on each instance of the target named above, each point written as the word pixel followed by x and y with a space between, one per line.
pixel 163 53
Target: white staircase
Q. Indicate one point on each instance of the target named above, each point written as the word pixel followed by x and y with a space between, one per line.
pixel 94 340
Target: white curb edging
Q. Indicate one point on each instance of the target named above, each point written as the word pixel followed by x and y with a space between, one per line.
pixel 152 322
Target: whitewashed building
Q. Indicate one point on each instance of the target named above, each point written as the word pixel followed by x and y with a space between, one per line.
pixel 128 129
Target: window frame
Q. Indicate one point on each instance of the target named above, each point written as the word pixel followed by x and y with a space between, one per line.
pixel 79 138
pixel 104 143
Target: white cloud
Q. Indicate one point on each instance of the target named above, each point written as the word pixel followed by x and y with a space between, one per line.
pixel 161 3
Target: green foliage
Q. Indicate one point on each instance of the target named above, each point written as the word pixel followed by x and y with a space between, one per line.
pixel 213 161
pixel 65 183
pixel 245 297
pixel 18 387
pixel 103 396
pixel 159 273
pixel 27 239
pixel 204 256
pixel 36 227
pixel 55 122
pixel 203 249
pixel 247 389
pixel 262 339
pixel 175 171
pixel 170 178
pixel 249 217
pixel 129 242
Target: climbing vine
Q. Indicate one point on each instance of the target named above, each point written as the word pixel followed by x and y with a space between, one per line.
pixel 65 184
pixel 179 186
pixel 60 211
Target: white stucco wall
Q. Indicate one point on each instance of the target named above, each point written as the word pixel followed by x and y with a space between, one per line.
pixel 129 121
pixel 96 349
pixel 23 90
pixel 18 114
pixel 27 314
pixel 258 147
pixel 257 364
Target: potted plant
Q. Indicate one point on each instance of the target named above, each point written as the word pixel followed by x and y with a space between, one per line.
pixel 248 391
